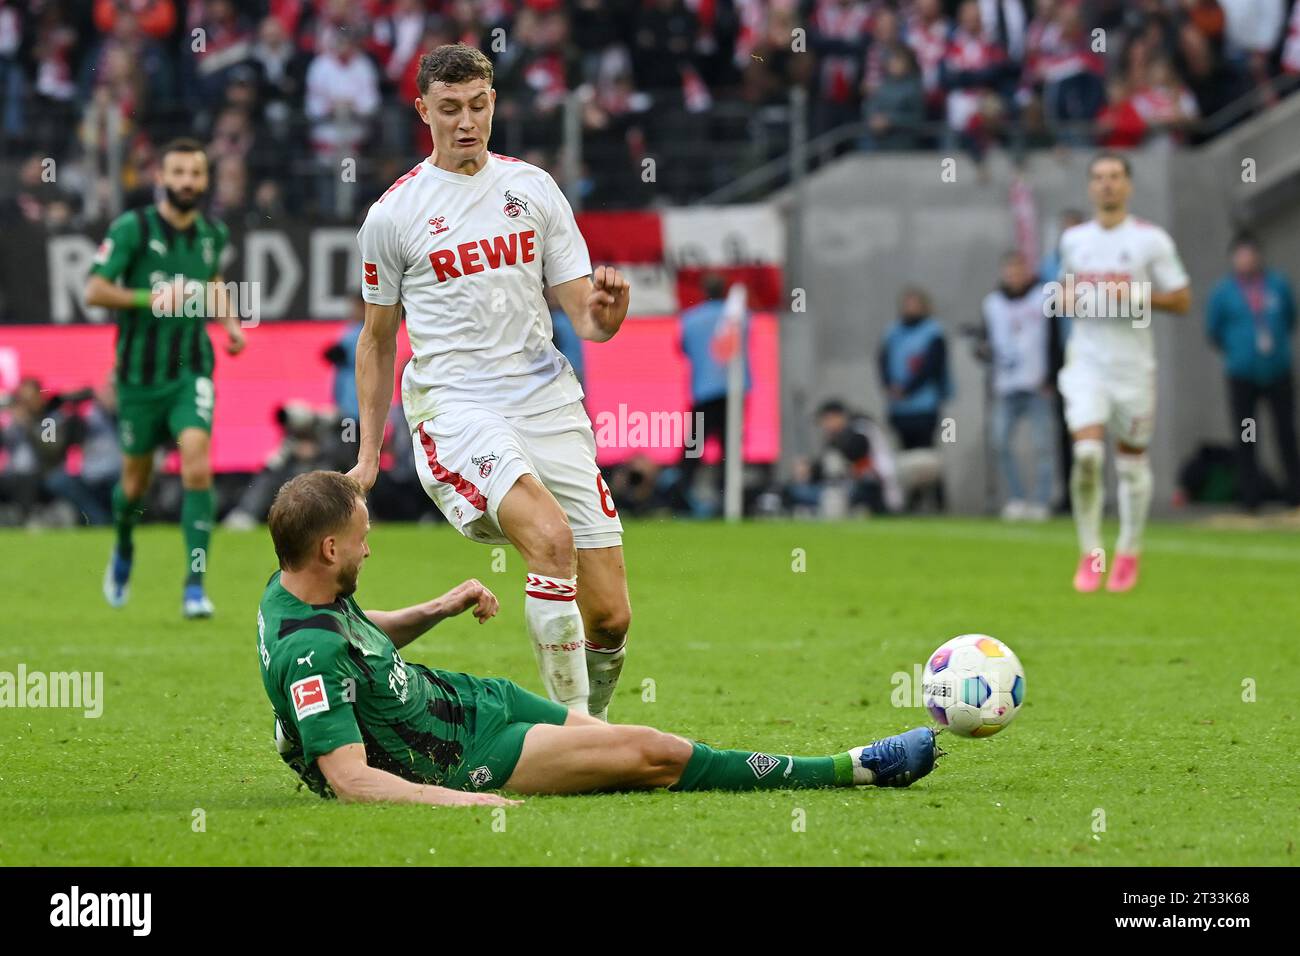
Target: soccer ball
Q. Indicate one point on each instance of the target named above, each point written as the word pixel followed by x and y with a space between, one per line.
pixel 973 685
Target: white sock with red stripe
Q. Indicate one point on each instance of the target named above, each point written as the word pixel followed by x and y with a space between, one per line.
pixel 604 665
pixel 555 625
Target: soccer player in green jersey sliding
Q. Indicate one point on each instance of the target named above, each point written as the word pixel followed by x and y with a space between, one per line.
pixel 168 259
pixel 357 722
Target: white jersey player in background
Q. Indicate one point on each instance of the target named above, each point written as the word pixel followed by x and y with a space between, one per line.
pixel 465 243
pixel 1109 376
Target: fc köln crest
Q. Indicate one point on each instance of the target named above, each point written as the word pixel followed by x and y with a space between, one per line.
pixel 514 205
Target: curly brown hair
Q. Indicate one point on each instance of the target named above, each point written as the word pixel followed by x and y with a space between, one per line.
pixel 452 63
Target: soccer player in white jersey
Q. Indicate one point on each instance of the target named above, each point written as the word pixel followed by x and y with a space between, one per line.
pixel 465 243
pixel 1115 269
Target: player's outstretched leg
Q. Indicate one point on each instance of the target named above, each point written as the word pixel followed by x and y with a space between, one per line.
pixel 128 501
pixel 1087 495
pixel 586 758
pixel 197 509
pixel 536 525
pixel 1133 470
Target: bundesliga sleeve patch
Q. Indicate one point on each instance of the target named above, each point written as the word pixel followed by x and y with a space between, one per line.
pixel 370 272
pixel 104 251
pixel 309 696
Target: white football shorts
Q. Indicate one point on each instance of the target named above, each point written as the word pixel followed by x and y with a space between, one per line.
pixel 1123 402
pixel 469 456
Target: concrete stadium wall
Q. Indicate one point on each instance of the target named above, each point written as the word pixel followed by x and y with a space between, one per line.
pixel 873 223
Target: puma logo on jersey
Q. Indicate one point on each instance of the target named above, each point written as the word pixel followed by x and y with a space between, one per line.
pixel 469 258
pixel 158 246
pixel 307 660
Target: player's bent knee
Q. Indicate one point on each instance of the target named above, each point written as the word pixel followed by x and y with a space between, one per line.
pixel 609 626
pixel 663 756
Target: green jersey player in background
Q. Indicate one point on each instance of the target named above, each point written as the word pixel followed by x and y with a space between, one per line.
pixel 159 269
pixel 358 722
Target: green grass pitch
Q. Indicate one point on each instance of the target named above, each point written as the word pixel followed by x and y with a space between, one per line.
pixel 1138 742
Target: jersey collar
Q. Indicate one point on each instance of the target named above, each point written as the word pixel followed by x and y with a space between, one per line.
pixel 485 173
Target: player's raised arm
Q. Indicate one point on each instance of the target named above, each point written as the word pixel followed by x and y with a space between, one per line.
pixel 355 781
pixel 596 306
pixel 405 625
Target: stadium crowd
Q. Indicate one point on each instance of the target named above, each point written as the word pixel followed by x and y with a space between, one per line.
pixel 281 90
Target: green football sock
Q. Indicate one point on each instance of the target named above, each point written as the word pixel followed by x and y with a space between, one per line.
pixel 126 513
pixel 196 526
pixel 710 769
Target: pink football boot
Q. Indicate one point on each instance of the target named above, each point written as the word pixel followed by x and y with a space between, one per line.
pixel 1124 573
pixel 1087 578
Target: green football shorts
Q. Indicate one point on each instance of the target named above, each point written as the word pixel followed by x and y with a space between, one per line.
pixel 152 415
pixel 498 713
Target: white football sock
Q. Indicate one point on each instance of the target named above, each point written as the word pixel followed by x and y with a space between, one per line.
pixel 861 775
pixel 1087 492
pixel 1134 473
pixel 555 625
pixel 604 665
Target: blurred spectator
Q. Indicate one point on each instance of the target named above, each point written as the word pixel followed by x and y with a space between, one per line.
pixel 1120 125
pixel 663 37
pixel 1250 316
pixel 1049 270
pixel 342 97
pixel 973 72
pixel 1017 336
pixel 1211 80
pixel 13 83
pixel 1062 61
pixel 27 456
pixel 1166 106
pixel 35 194
pixel 1252 32
pixel 926 32
pixel 224 41
pixel 706 344
pixel 90 491
pixel 312 440
pixel 838 32
pixel 886 37
pixel 156 18
pixel 913 363
pixel 854 469
pixel 54 102
pixel 343 356
pixel 280 69
pixel 1005 23
pixel 640 486
pixel 896 110
pixel 772 66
